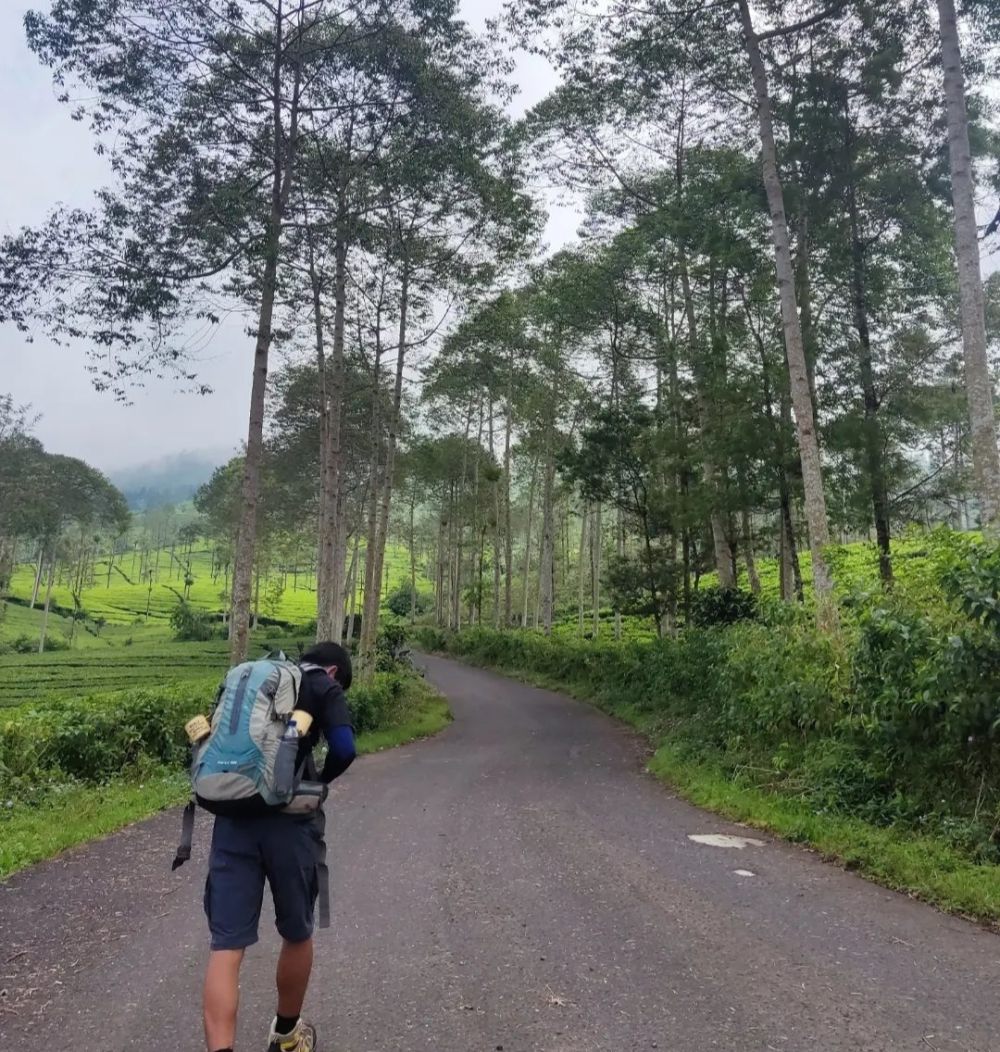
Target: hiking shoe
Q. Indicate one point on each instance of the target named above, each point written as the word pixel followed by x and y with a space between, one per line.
pixel 301 1039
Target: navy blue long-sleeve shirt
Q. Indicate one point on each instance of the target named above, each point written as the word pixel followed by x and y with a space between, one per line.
pixel 324 699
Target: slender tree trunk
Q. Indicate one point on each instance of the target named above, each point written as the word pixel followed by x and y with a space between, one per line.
pixel 370 618
pixel 546 567
pixel 978 384
pixel 352 579
pixel 281 185
pixel 581 570
pixel 720 540
pixel 370 580
pixel 439 580
pixel 48 602
pixel 596 531
pixel 38 577
pixel 620 552
pixel 873 428
pixel 526 577
pixel 751 560
pixel 812 469
pixel 331 556
pixel 508 598
pixel 413 554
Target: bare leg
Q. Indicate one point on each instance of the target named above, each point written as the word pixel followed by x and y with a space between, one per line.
pixel 222 998
pixel 294 966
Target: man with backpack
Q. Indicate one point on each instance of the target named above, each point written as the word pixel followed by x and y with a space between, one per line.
pixel 256 840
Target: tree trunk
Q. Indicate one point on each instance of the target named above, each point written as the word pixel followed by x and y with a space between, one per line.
pixel 546 566
pixel 370 617
pixel 281 185
pixel 508 531
pixel 370 580
pixel 751 560
pixel 439 579
pixel 978 384
pixel 872 425
pixel 581 570
pixel 620 553
pixel 596 531
pixel 48 603
pixel 38 576
pixel 331 556
pixel 812 469
pixel 720 541
pixel 527 541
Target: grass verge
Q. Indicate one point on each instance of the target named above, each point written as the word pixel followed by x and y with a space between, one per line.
pixel 428 715
pixel 924 867
pixel 74 814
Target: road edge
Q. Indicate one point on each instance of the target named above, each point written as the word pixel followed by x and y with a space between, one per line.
pixel 920 867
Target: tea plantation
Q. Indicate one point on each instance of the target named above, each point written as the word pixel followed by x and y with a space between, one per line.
pixel 123 597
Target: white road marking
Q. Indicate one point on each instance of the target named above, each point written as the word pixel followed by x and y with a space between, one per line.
pixel 725 840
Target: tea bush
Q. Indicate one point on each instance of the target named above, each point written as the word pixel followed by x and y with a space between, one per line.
pixel 104 736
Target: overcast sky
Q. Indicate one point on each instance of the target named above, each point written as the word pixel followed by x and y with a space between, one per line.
pixel 49 158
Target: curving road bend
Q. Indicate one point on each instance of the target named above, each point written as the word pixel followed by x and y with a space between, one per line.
pixel 515 884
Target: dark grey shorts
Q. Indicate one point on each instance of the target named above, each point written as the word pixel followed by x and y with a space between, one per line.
pixel 279 849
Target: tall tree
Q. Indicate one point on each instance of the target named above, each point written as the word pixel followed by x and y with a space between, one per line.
pixel 978 383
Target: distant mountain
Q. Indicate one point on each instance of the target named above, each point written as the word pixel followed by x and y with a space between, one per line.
pixel 171 479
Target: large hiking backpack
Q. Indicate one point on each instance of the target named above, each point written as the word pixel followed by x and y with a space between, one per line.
pixel 232 770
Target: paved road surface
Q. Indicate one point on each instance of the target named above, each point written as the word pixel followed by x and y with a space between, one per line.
pixel 519 884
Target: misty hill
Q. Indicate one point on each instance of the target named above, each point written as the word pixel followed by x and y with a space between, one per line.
pixel 167 480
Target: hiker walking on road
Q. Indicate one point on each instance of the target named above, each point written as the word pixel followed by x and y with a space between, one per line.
pixel 283 847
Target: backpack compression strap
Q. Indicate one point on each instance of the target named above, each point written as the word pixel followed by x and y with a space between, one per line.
pixel 187 834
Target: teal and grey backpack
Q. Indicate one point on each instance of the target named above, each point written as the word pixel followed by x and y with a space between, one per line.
pixel 233 769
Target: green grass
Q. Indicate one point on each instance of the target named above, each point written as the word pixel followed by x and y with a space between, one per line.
pixel 80 813
pixel 74 814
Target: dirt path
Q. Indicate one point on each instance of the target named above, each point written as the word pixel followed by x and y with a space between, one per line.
pixel 516 883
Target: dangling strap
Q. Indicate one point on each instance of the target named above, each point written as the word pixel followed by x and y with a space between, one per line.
pixel 322 869
pixel 187 835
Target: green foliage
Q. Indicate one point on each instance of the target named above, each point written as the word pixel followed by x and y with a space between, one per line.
pixel 391 651
pixel 98 737
pixel 722 606
pixel 191 625
pixel 404 600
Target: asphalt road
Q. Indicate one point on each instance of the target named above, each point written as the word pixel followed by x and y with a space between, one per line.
pixel 516 884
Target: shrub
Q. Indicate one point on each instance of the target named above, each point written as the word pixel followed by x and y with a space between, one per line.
pixel 404 600
pixel 722 606
pixel 379 702
pixel 390 646
pixel 428 637
pixel 97 738
pixel 190 625
pixel 103 736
